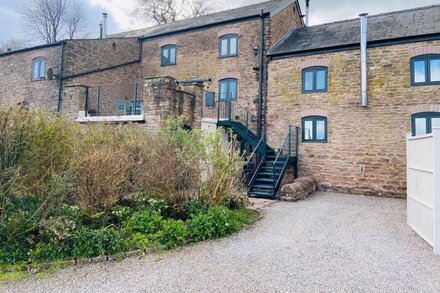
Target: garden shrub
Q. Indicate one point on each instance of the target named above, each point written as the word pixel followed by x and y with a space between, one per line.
pixel 146 221
pixel 217 222
pixel 173 233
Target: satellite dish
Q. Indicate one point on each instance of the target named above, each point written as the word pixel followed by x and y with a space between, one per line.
pixel 50 74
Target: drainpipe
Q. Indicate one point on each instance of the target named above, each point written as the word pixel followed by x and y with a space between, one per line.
pixel 61 77
pixel 364 38
pixel 261 75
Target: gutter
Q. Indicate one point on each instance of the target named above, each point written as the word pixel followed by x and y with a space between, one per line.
pixel 356 46
pixel 30 49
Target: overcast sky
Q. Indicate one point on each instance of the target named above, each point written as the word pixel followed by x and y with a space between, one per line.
pixel 121 11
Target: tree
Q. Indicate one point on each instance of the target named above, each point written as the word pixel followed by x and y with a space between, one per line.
pixel 52 20
pixel 166 11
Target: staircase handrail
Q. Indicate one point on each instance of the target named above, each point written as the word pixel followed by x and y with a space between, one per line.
pixel 287 140
pixel 251 182
pixel 255 149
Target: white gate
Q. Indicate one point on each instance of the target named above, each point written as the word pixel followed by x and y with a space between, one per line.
pixel 423 179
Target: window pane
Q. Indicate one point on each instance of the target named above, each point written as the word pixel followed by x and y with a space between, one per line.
pixel 165 54
pixel 35 70
pixel 435 69
pixel 233 46
pixel 308 80
pixel 233 89
pixel 224 47
pixel 420 126
pixel 223 90
pixel 419 71
pixel 321 80
pixel 435 123
pixel 172 55
pixel 308 129
pixel 320 129
pixel 42 68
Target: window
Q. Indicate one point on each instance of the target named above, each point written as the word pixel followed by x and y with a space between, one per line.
pixel 168 55
pixel 228 89
pixel 38 69
pixel 314 79
pixel 229 46
pixel 314 129
pixel 423 123
pixel 425 70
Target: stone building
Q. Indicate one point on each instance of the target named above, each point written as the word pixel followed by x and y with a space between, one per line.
pixel 260 71
pixel 315 83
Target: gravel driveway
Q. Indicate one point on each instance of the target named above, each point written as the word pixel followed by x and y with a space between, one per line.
pixel 327 243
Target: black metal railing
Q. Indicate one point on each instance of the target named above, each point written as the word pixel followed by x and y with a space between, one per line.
pixel 231 110
pixel 288 148
pixel 254 161
pixel 114 100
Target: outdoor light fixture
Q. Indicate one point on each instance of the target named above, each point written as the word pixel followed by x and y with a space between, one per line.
pixel 256 48
pixel 257 72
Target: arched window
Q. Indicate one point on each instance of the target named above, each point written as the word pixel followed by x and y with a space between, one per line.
pixel 229 45
pixel 314 129
pixel 425 70
pixel 314 79
pixel 228 89
pixel 423 123
pixel 168 55
pixel 38 68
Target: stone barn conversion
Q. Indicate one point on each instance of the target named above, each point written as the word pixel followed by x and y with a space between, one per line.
pixel 304 101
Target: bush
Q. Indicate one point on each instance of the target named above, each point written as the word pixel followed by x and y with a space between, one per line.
pixel 217 222
pixel 174 233
pixel 147 222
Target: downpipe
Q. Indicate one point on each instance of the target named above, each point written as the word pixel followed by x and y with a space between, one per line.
pixel 364 77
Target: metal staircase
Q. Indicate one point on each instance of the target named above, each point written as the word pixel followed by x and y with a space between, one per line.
pixel 265 166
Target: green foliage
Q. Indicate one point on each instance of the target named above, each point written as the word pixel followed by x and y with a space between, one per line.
pixel 174 233
pixel 138 241
pixel 217 222
pixel 196 206
pixel 147 222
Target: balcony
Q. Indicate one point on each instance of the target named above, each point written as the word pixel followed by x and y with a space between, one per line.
pixel 114 103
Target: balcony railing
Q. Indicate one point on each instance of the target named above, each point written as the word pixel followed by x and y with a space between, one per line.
pixel 122 102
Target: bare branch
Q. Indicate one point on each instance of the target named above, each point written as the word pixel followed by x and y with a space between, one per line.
pixel 52 20
pixel 166 11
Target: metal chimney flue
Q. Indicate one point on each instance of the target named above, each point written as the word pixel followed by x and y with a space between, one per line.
pixel 104 25
pixel 307 12
pixel 364 39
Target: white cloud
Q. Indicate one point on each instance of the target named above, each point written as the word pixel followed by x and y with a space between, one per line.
pixel 121 12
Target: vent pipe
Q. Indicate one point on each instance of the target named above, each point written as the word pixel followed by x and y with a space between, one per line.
pixel 100 30
pixel 104 25
pixel 307 12
pixel 364 37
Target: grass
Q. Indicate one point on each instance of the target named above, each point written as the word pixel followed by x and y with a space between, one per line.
pixel 245 217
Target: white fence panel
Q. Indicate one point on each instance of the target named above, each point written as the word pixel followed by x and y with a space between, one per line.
pixel 423 171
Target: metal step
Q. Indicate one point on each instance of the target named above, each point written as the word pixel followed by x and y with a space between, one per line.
pixel 261 194
pixel 259 179
pixel 263 186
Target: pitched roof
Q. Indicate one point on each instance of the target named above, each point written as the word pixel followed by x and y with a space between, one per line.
pixel 249 11
pixel 387 26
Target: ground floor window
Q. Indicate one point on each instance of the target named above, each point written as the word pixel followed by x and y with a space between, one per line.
pixel 423 123
pixel 314 129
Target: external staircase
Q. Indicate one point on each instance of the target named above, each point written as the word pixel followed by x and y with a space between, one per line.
pixel 266 165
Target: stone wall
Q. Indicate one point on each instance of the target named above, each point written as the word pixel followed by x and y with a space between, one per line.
pixel 163 100
pixel 87 55
pixel 282 22
pixel 16 84
pixel 365 153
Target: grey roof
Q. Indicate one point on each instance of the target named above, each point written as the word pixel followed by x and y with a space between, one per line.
pixel 387 26
pixel 271 7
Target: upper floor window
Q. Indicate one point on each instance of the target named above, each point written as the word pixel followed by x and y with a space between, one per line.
pixel 423 123
pixel 314 129
pixel 229 46
pixel 228 89
pixel 314 79
pixel 38 68
pixel 168 55
pixel 425 70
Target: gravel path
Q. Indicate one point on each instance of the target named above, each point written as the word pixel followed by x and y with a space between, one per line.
pixel 327 243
